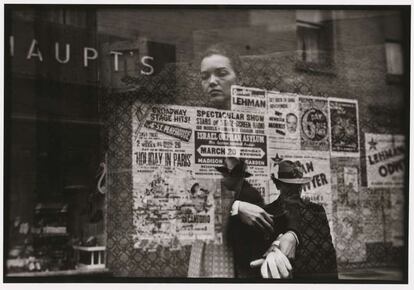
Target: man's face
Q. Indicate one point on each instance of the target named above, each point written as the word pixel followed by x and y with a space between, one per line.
pixel 291 123
pixel 217 76
pixel 285 188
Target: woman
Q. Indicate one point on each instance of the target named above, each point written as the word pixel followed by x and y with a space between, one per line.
pixel 220 68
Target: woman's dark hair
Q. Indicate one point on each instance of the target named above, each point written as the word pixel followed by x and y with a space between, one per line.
pixel 227 51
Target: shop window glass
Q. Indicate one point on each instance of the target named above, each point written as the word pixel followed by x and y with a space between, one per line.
pixel 102 174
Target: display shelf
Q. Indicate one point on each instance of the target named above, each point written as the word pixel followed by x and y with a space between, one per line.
pixel 74 272
pixel 90 257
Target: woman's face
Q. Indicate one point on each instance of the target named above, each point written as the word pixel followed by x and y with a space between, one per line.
pixel 217 77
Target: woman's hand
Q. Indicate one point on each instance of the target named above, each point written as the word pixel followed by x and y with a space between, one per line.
pixel 256 216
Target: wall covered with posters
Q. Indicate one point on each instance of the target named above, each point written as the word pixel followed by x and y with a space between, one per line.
pixel 167 152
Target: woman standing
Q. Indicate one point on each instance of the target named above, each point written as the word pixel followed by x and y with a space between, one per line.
pixel 220 68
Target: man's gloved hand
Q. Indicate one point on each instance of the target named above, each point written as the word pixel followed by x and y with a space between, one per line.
pixel 275 265
pixel 256 216
pixel 288 244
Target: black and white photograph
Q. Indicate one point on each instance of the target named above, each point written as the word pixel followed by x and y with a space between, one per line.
pixel 206 143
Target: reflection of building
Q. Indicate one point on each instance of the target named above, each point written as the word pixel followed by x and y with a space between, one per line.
pixel 53 140
pixel 59 125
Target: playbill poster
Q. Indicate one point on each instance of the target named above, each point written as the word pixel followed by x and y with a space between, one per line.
pixel 283 120
pixel 162 137
pixel 344 131
pixel 314 123
pixel 220 134
pixel 172 208
pixel 385 155
pixel 252 100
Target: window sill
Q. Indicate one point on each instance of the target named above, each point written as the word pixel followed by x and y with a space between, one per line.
pixel 315 68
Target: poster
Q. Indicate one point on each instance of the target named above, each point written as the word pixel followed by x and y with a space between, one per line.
pixel 171 208
pixel 315 165
pixel 250 100
pixel 283 120
pixel 351 178
pixel 385 157
pixel 162 137
pixel 176 188
pixel 344 130
pixel 220 134
pixel 314 123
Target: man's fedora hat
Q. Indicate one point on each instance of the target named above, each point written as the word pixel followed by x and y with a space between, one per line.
pixel 291 172
pixel 234 167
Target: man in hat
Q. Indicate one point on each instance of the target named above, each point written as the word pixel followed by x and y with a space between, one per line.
pixel 315 258
pixel 253 226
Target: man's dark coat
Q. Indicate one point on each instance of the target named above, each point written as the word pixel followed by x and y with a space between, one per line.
pixel 315 256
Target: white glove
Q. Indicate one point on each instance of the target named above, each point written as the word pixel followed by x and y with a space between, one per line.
pixel 275 265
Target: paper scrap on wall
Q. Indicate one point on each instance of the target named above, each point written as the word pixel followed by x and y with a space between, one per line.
pixel 351 178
